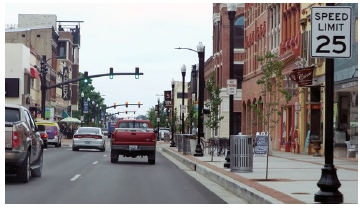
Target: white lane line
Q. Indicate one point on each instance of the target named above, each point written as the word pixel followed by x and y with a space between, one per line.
pixel 95 162
pixel 104 155
pixel 75 177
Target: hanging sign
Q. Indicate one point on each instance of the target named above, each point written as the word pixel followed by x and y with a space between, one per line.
pixel 303 76
pixel 66 87
pixel 86 107
pixel 331 32
pixel 167 99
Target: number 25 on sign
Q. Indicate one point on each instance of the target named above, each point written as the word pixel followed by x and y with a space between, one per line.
pixel 331 32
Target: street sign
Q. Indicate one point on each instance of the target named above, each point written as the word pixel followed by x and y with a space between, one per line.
pixel 331 32
pixel 182 108
pixel 158 120
pixel 231 86
pixel 66 88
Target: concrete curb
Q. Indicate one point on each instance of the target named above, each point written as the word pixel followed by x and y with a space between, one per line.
pixel 250 194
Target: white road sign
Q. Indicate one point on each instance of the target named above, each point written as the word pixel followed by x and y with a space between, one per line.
pixel 231 86
pixel 182 108
pixel 331 32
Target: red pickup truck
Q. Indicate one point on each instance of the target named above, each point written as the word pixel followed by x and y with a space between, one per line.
pixel 132 138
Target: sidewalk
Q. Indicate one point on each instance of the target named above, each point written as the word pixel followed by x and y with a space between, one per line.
pixel 292 177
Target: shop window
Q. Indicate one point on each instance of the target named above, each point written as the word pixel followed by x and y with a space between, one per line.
pixel 239 32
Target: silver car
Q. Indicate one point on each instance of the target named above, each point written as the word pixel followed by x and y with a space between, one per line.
pixel 89 138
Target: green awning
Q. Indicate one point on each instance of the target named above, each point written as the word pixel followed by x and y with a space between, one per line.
pixel 65 114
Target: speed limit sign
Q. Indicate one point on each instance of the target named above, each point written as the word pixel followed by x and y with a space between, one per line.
pixel 331 32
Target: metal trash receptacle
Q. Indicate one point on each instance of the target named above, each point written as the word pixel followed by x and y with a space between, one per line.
pixel 167 137
pixel 179 142
pixel 241 153
pixel 186 143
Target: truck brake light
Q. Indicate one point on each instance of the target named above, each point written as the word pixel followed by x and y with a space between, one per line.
pixel 16 139
pixel 153 138
pixel 43 135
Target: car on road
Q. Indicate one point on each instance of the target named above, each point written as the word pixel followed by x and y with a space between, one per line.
pixel 89 138
pixel 165 134
pixel 23 145
pixel 104 131
pixel 52 130
pixel 133 138
pixel 43 134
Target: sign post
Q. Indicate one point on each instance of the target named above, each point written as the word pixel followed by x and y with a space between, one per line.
pixel 330 38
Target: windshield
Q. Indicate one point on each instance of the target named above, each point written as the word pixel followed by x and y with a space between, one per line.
pixel 88 131
pixel 133 125
pixel 12 115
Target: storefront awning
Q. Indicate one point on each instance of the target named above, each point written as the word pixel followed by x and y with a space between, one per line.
pixel 34 73
pixel 65 114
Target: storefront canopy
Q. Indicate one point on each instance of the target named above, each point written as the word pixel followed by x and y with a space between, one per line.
pixel 70 120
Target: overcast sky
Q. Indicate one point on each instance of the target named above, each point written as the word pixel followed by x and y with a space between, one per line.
pixel 125 36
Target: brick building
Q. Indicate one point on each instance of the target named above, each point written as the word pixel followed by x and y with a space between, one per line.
pixel 219 62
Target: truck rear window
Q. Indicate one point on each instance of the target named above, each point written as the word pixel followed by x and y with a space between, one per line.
pixel 88 131
pixel 12 115
pixel 129 125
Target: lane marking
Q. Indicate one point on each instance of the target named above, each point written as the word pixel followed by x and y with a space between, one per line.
pixel 104 155
pixel 95 162
pixel 75 177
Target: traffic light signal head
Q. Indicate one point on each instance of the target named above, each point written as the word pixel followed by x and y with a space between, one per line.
pixel 86 77
pixel 134 112
pixel 137 73
pixel 126 103
pixel 126 112
pixel 139 104
pixel 118 112
pixel 111 76
pixel 114 105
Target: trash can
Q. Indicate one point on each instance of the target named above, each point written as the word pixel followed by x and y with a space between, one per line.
pixel 167 137
pixel 186 143
pixel 241 153
pixel 179 142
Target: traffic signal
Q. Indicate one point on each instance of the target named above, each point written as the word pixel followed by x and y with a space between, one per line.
pixel 137 73
pixel 114 105
pixel 126 112
pixel 134 112
pixel 126 104
pixel 118 112
pixel 139 104
pixel 111 76
pixel 86 77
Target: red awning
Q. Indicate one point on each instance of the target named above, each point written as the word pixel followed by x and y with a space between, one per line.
pixel 34 73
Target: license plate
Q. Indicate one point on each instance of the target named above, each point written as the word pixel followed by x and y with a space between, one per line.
pixel 87 142
pixel 132 147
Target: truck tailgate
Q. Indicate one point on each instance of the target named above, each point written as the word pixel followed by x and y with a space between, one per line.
pixel 133 137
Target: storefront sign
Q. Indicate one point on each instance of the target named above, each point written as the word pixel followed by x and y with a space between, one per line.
pixel 261 144
pixel 316 107
pixel 302 76
pixel 349 84
pixel 66 87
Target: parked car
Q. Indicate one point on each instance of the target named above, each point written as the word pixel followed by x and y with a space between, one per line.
pixel 165 134
pixel 43 134
pixel 23 145
pixel 89 138
pixel 52 130
pixel 132 138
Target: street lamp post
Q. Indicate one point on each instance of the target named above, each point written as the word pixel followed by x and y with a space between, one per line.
pixel 88 110
pixel 231 7
pixel 93 107
pixel 183 72
pixel 201 54
pixel 82 108
pixel 96 116
pixel 172 143
pixel 158 119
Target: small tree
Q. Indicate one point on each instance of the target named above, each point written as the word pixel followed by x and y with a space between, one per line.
pixel 267 108
pixel 191 116
pixel 214 102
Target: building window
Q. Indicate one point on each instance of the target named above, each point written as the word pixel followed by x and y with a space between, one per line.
pixel 239 32
pixel 238 74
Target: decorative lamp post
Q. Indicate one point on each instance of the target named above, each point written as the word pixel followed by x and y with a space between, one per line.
pixel 231 7
pixel 93 107
pixel 96 118
pixel 82 108
pixel 201 54
pixel 172 143
pixel 89 109
pixel 183 72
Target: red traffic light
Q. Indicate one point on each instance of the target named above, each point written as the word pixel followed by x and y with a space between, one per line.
pixel 126 103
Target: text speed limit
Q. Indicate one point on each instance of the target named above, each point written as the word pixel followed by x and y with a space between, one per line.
pixel 331 32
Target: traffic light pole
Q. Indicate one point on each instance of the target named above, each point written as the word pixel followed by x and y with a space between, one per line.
pixel 44 86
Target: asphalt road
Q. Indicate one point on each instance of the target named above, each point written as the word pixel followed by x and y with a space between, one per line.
pixel 88 177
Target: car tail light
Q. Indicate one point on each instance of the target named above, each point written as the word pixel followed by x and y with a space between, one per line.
pixel 16 139
pixel 95 137
pixel 43 135
pixel 153 138
pixel 55 133
pixel 78 136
